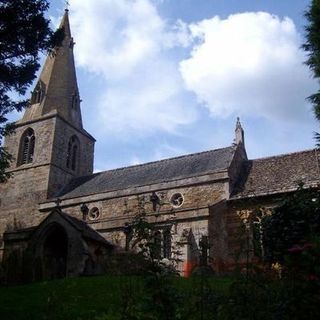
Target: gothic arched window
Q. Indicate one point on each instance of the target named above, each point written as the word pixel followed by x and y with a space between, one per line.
pixel 75 101
pixel 73 153
pixel 26 147
pixel 37 93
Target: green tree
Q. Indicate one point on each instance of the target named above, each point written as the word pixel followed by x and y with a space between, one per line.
pixel 312 48
pixel 292 226
pixel 24 33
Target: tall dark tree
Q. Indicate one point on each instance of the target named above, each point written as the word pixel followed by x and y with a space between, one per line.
pixel 24 33
pixel 292 225
pixel 312 47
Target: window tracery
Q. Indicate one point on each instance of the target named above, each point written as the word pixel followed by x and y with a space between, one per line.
pixel 176 200
pixel 94 213
pixel 75 101
pixel 73 153
pixel 27 147
pixel 37 94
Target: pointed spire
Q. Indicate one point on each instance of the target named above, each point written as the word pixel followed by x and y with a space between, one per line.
pixel 56 91
pixel 239 133
pixel 65 25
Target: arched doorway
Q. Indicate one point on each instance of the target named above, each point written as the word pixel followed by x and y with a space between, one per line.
pixel 55 251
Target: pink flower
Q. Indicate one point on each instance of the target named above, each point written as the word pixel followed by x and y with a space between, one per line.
pixel 296 249
pixel 312 277
pixel 308 246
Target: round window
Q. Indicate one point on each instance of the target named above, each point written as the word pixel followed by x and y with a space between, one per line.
pixel 176 200
pixel 94 213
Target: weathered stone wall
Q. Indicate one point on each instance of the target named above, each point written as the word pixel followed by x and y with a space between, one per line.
pixel 62 134
pixel 60 175
pixel 188 222
pixel 35 182
pixel 19 197
pixel 115 211
pixel 237 231
pixel 43 131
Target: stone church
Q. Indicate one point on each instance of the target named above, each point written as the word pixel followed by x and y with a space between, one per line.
pixel 68 216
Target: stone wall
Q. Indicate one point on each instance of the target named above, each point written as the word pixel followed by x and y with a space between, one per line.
pixel 20 196
pixel 238 233
pixel 43 140
pixel 35 182
pixel 60 175
pixel 188 222
pixel 62 134
pixel 115 211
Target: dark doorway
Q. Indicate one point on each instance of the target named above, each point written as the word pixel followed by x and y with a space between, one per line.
pixel 55 250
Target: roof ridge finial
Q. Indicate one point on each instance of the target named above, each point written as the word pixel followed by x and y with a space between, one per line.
pixel 239 133
pixel 238 123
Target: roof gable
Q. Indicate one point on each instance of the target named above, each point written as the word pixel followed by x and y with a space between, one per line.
pixel 82 227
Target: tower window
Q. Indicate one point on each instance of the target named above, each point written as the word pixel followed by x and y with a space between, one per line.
pixel 37 94
pixel 73 153
pixel 75 101
pixel 27 147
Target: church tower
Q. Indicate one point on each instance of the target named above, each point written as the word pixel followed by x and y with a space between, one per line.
pixel 49 145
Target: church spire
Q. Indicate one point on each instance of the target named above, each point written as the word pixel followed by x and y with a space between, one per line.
pixel 56 91
pixel 239 133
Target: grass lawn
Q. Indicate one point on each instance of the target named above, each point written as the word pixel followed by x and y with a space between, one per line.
pixel 83 298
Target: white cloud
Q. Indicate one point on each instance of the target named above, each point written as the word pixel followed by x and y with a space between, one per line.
pixel 151 102
pixel 113 36
pixel 126 42
pixel 248 64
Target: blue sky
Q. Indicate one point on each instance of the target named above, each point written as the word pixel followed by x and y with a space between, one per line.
pixel 162 78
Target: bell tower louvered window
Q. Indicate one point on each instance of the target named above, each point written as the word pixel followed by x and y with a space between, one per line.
pixel 75 101
pixel 73 153
pixel 37 94
pixel 27 147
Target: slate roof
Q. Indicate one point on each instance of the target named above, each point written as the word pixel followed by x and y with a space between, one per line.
pixel 278 174
pixel 150 173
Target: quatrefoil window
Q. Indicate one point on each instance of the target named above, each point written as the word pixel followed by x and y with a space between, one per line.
pixel 176 200
pixel 94 213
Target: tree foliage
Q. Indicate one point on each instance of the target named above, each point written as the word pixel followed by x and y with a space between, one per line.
pixel 292 226
pixel 312 48
pixel 24 33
